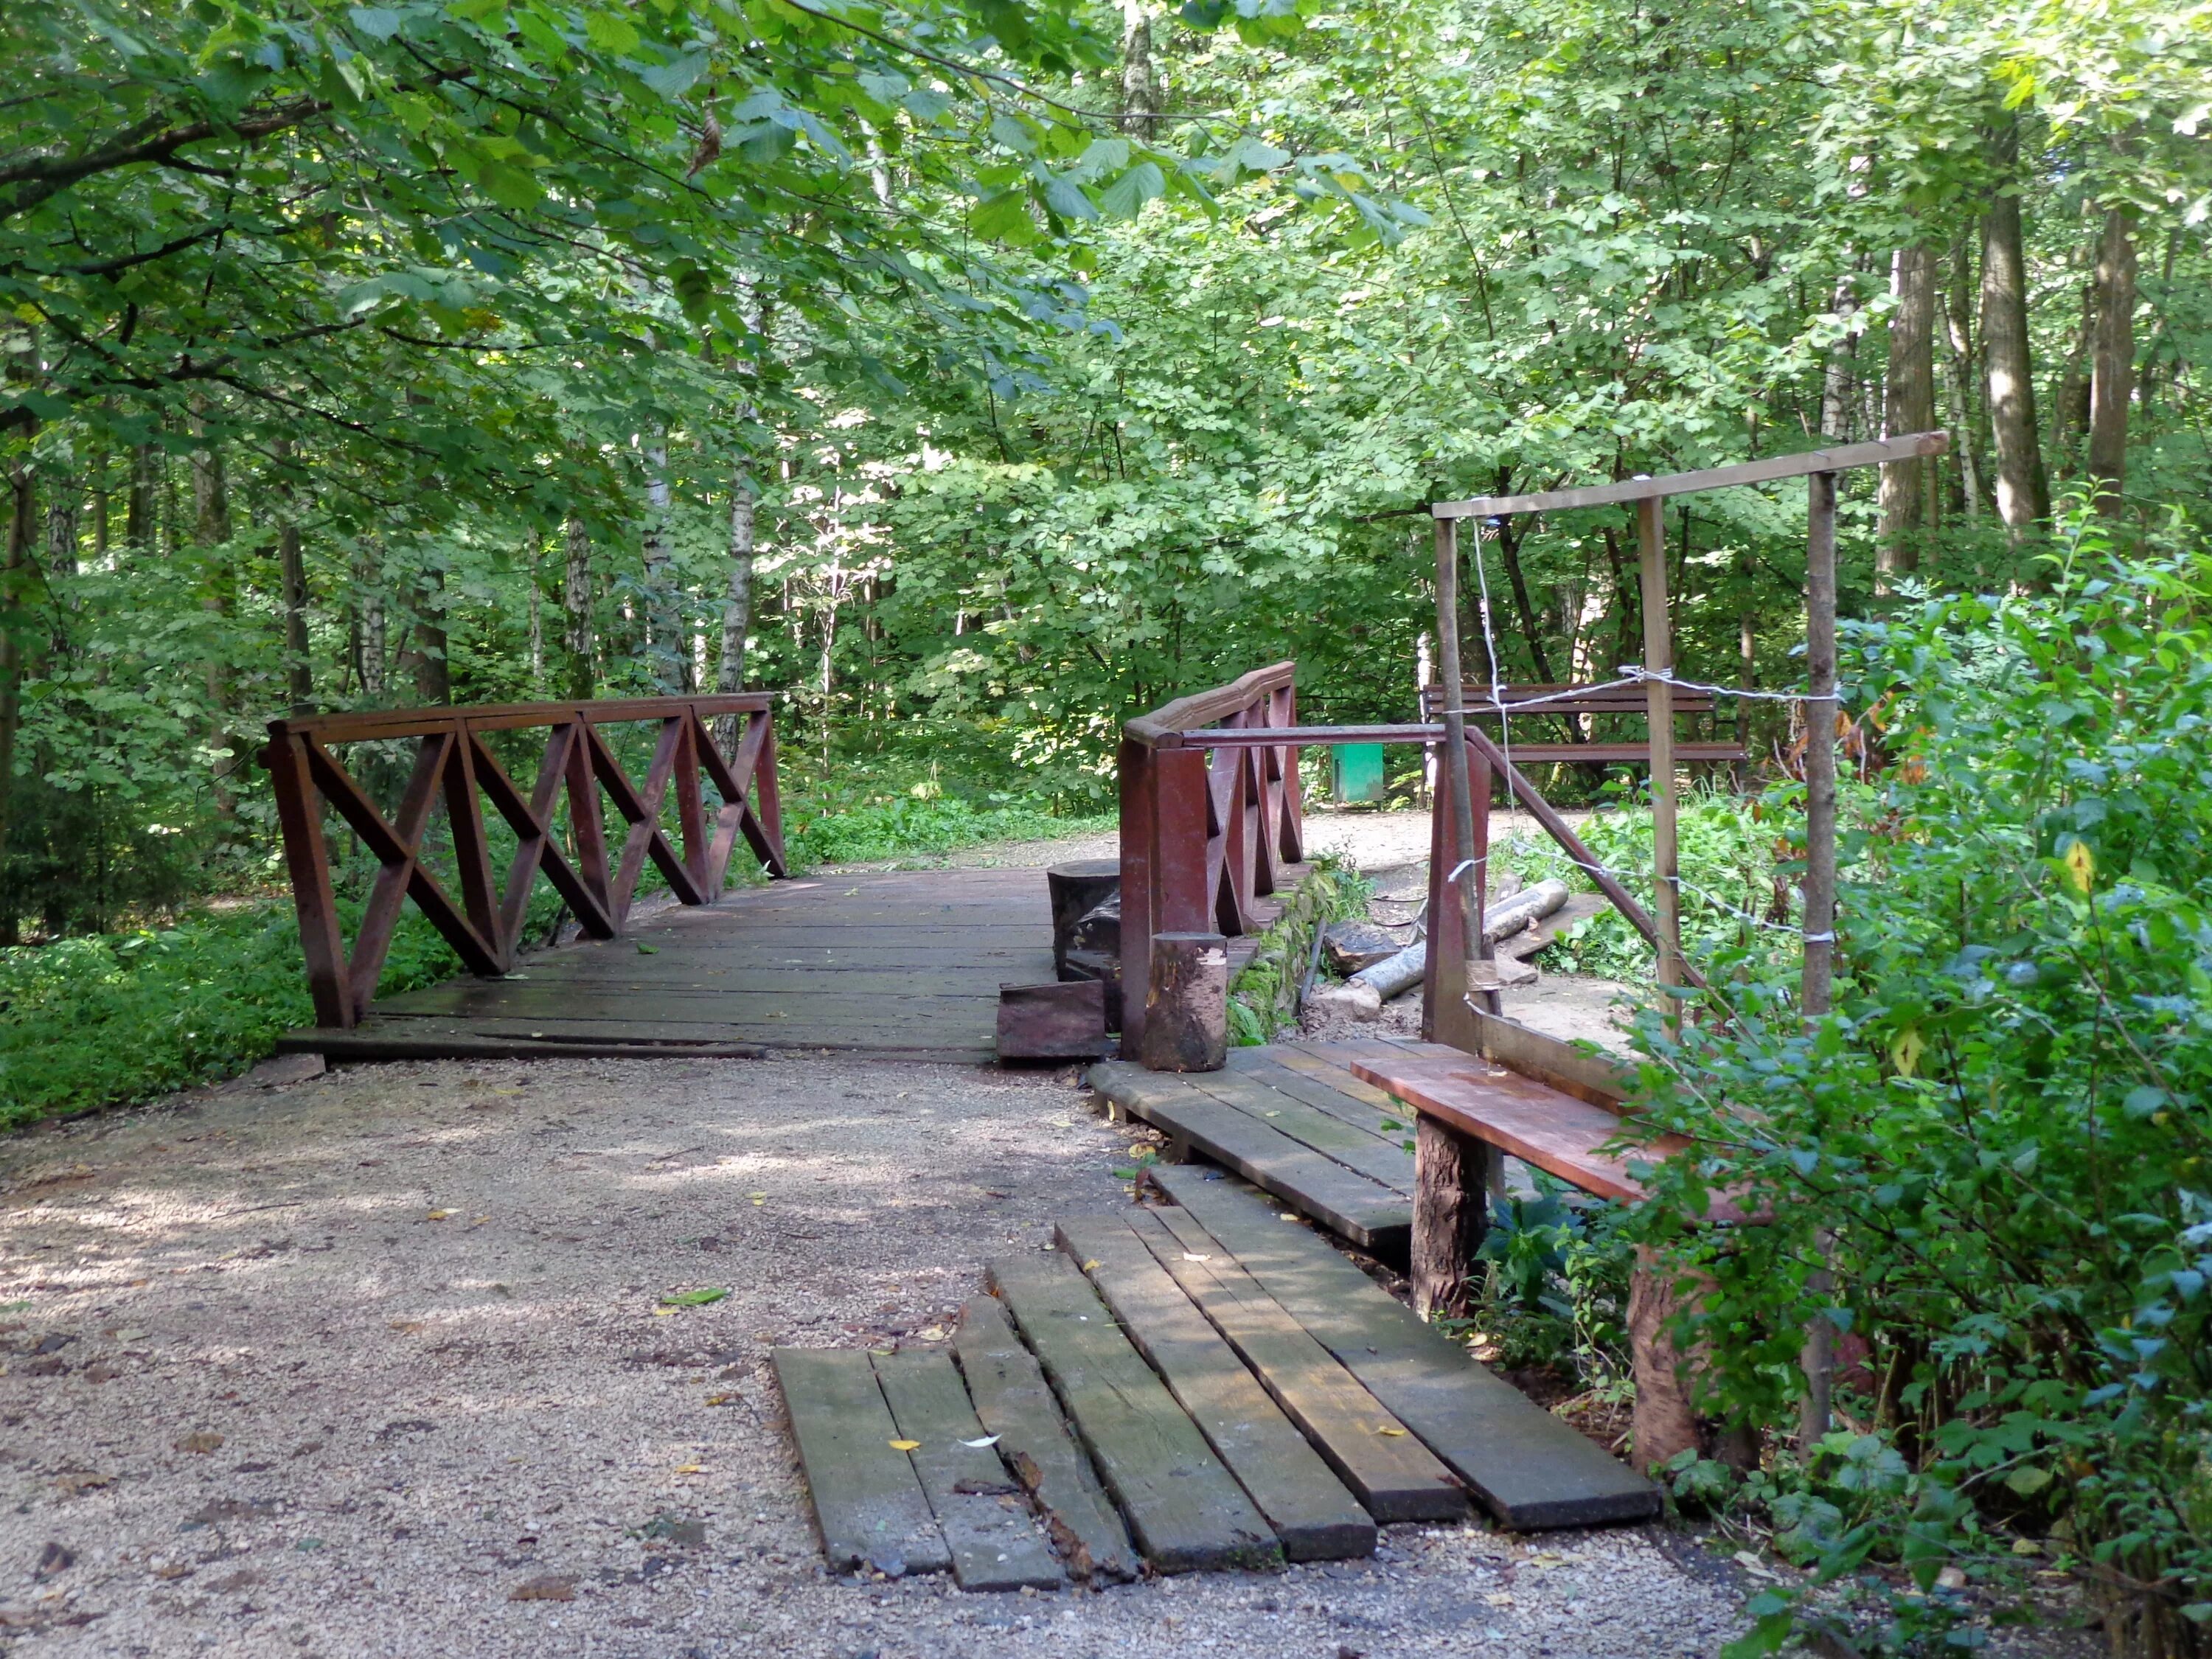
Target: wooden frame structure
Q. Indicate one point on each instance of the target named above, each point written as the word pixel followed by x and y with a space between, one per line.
pixel 1203 835
pixel 455 768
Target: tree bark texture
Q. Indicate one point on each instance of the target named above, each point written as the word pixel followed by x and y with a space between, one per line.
pixel 211 531
pixel 1959 376
pixel 738 594
pixel 1836 381
pixel 140 512
pixel 576 605
pixel 1452 1176
pixel 664 631
pixel 1908 406
pixel 1140 82
pixel 2112 360
pixel 1186 1004
pixel 2023 487
pixel 292 579
pixel 16 574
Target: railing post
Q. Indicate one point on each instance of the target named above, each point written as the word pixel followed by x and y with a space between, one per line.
pixel 307 858
pixel 1139 838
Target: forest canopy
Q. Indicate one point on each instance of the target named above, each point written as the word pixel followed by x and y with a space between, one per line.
pixel 974 374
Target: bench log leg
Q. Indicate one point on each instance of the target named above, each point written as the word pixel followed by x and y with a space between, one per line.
pixel 1663 1422
pixel 1453 1174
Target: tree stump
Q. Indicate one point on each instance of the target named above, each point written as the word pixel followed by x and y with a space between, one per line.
pixel 1453 1174
pixel 1187 1004
pixel 1664 1423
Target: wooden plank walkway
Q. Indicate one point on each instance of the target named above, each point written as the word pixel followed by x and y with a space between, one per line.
pixel 900 965
pixel 1293 1119
pixel 1244 1393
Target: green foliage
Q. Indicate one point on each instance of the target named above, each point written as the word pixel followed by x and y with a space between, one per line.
pixel 910 825
pixel 114 1019
pixel 1264 999
pixel 1554 1291
pixel 2004 1130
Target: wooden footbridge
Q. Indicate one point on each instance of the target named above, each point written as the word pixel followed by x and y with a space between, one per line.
pixel 1202 1380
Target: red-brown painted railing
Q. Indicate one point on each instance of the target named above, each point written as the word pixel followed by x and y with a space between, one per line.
pixel 1203 830
pixel 453 763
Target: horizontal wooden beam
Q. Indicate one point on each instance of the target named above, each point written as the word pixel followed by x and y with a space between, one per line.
pixel 1323 737
pixel 508 716
pixel 1164 727
pixel 1841 460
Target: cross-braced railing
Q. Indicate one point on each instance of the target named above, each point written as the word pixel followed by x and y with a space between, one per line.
pixel 1203 834
pixel 454 766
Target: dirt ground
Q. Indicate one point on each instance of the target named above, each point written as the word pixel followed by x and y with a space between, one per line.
pixel 374 1365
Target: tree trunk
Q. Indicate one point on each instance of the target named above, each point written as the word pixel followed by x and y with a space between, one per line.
pixel 2112 364
pixel 434 672
pixel 1908 406
pixel 1509 547
pixel 537 615
pixel 368 641
pixel 15 580
pixel 2023 487
pixel 138 515
pixel 211 529
pixel 576 601
pixel 738 596
pixel 292 580
pixel 1959 375
pixel 1836 381
pixel 664 633
pixel 1141 84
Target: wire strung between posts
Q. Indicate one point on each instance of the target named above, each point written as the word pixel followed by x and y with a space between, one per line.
pixel 1635 674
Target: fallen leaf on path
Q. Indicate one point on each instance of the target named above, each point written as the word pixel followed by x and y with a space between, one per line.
pixel 407 1326
pixel 438 1215
pixel 201 1441
pixel 1499 1598
pixel 644 950
pixel 692 1298
pixel 690 1468
pixel 77 1480
pixel 904 1445
pixel 1192 1256
pixel 1396 1434
pixel 987 1440
pixel 547 1589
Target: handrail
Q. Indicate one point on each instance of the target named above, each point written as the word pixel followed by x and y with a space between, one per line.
pixel 1164 727
pixel 1203 835
pixel 454 765
pixel 1839 459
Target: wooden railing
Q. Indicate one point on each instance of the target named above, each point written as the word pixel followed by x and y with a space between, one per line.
pixel 1204 830
pixel 453 766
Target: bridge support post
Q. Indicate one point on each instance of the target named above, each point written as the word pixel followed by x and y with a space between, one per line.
pixel 1186 1024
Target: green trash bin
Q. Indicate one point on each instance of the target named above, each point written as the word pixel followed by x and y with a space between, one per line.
pixel 1359 774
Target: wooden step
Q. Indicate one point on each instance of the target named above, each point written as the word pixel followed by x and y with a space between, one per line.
pixel 1356 1207
pixel 1391 1472
pixel 1015 1403
pixel 1528 1467
pixel 1309 1508
pixel 1185 1510
pixel 994 1544
pixel 868 1501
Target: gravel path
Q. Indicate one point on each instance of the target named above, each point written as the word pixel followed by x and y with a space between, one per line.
pixel 345 1367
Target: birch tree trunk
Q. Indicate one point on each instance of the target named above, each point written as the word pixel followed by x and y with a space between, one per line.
pixel 211 530
pixel 16 577
pixel 664 640
pixel 1959 375
pixel 2111 378
pixel 2023 486
pixel 576 603
pixel 1908 406
pixel 738 595
pixel 139 512
pixel 1140 82
pixel 1836 381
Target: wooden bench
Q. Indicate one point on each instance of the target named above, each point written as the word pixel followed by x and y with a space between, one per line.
pixel 1557 1109
pixel 1598 702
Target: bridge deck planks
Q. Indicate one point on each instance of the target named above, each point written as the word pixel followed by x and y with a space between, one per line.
pixel 1526 1467
pixel 867 1499
pixel 905 964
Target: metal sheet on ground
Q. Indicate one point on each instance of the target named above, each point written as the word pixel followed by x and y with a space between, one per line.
pixel 1308 1506
pixel 1184 1510
pixel 868 1501
pixel 1034 1441
pixel 1388 1468
pixel 1528 1468
pixel 978 1505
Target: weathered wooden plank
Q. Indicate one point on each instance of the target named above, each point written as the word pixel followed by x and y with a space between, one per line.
pixel 1385 1161
pixel 1316 1060
pixel 671 1001
pixel 1016 1403
pixel 429 1040
pixel 995 1544
pixel 1341 1096
pixel 1388 1469
pixel 1367 1212
pixel 1185 1512
pixel 1309 1508
pixel 868 1501
pixel 1528 1467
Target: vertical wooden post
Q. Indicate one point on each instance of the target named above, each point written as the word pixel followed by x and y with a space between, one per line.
pixel 1138 834
pixel 1452 1177
pixel 1659 660
pixel 1819 1359
pixel 300 814
pixel 1186 1024
pixel 587 829
pixel 1468 891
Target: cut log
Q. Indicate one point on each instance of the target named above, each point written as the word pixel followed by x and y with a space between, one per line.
pixel 1350 946
pixel 1187 1004
pixel 1077 889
